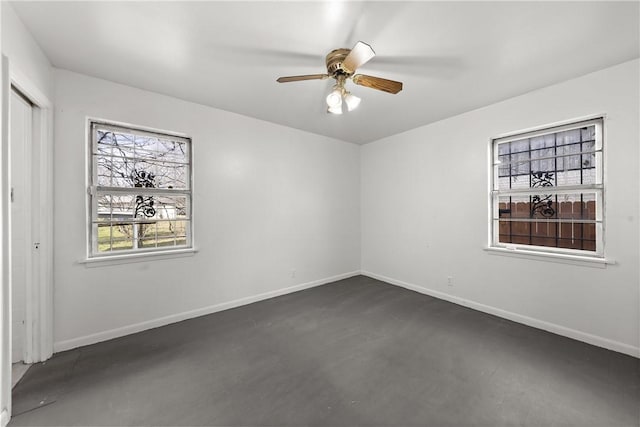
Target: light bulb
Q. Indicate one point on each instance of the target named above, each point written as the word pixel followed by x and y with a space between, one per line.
pixel 352 101
pixel 335 110
pixel 334 99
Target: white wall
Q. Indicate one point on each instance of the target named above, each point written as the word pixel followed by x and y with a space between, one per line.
pixel 267 200
pixel 425 214
pixel 26 59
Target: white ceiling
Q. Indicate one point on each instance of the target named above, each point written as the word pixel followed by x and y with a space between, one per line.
pixel 452 56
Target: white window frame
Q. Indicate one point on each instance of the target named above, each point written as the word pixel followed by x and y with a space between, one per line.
pixel 94 191
pixel 597 188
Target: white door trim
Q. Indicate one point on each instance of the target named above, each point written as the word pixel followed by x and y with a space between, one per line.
pixel 5 289
pixel 39 303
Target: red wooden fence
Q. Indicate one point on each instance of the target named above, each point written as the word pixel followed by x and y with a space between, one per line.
pixel 564 234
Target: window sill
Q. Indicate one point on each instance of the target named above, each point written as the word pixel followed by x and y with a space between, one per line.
pixel 139 257
pixel 586 261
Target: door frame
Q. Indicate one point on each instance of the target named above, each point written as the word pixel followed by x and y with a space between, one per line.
pixel 5 291
pixel 39 291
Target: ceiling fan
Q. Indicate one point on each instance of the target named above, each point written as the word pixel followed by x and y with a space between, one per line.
pixel 341 65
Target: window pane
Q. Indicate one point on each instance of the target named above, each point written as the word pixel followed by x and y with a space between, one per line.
pixel 575 206
pixel 104 237
pixel 141 172
pixel 105 138
pixel 131 160
pixel 173 151
pixel 557 159
pixel 137 217
pixel 113 237
pixel 567 235
pixel 528 220
pixel 163 233
pixel 145 207
pixel 116 207
pixel 562 171
pixel 546 163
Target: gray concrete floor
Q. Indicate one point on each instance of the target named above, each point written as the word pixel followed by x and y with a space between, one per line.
pixel 354 352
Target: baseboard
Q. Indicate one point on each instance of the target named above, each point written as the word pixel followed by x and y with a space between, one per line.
pixel 529 321
pixel 166 320
pixel 4 418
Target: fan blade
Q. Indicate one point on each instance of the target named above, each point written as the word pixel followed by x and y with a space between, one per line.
pixel 359 55
pixel 299 78
pixel 378 83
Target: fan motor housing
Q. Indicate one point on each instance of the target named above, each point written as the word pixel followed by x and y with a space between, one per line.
pixel 334 62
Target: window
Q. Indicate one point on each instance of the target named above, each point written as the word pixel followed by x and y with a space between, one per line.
pixel 548 190
pixel 140 191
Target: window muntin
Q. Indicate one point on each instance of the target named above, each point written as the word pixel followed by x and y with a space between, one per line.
pixel 140 191
pixel 548 190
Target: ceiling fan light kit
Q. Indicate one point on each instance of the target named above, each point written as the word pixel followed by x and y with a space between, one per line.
pixel 340 96
pixel 334 110
pixel 334 99
pixel 352 101
pixel 341 66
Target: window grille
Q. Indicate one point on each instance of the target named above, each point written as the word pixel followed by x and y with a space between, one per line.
pixel 139 191
pixel 547 190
